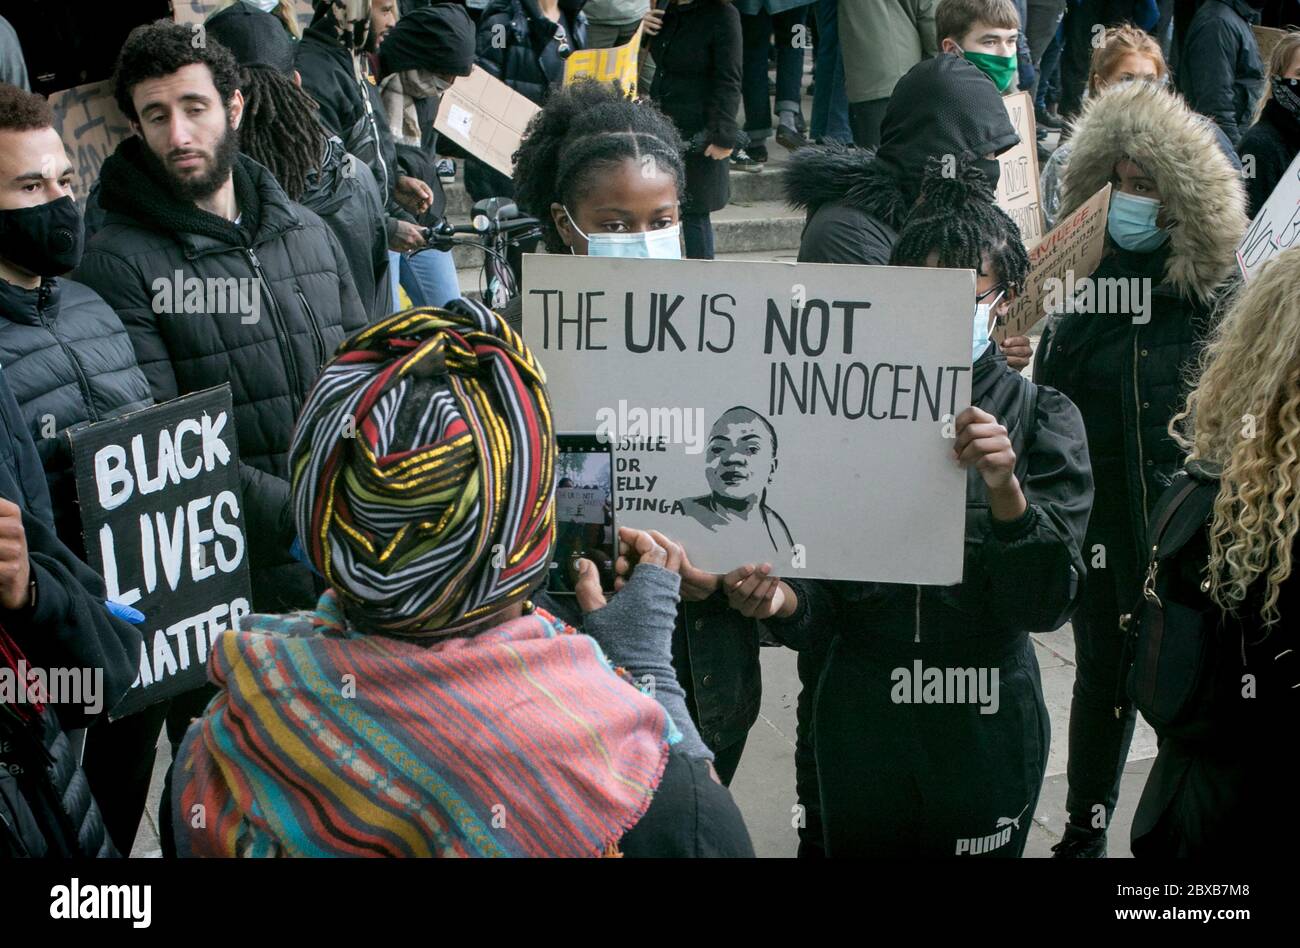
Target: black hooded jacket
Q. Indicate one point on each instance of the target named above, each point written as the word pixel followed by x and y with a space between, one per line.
pixel 857 200
pixel 70 363
pixel 307 307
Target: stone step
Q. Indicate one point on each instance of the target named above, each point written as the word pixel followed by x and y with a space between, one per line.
pixel 763 230
pixel 746 187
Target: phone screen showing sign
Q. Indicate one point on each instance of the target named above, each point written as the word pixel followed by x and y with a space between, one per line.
pixel 584 512
pixel 163 522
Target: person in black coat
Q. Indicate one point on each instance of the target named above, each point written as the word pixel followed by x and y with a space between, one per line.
pixel 1125 364
pixel 1272 143
pixel 46 805
pixel 856 202
pixel 524 43
pixel 331 68
pixel 697 53
pixel 1227 677
pixel 220 219
pixel 957 772
pixel 1219 70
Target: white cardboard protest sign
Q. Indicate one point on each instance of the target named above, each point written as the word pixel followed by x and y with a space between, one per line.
pixel 1276 227
pixel 487 118
pixel 1070 252
pixel 1018 190
pixel 796 414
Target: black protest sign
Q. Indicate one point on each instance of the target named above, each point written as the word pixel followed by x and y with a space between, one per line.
pixel 163 521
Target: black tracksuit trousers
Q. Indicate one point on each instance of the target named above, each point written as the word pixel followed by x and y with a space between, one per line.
pixel 929 779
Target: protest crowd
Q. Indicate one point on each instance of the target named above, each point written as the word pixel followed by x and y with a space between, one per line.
pixel 299 466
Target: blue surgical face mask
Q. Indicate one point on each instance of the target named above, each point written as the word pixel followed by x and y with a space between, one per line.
pixel 664 244
pixel 1131 222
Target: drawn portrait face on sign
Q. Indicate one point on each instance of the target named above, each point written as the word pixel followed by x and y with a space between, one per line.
pixel 740 465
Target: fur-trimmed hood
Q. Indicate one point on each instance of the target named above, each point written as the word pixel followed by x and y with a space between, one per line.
pixel 1199 188
pixel 843 174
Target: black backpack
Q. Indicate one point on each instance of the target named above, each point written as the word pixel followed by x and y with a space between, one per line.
pixel 1173 635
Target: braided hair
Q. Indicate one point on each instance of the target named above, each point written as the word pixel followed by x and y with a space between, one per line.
pixel 583 131
pixel 956 217
pixel 280 129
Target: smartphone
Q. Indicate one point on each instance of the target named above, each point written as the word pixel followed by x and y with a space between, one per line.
pixel 584 512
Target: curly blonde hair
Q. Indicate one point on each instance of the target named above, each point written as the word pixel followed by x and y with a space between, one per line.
pixel 1243 418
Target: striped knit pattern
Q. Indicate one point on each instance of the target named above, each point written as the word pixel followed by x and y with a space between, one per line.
pixel 423 471
pixel 520 741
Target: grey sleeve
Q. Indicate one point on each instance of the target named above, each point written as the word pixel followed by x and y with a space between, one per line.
pixel 636 631
pixel 13 68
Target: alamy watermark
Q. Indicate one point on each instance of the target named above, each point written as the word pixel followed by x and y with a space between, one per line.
pixel 26 684
pixel 1114 296
pixel 208 296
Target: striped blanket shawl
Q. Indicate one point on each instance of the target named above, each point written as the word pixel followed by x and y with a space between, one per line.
pixel 520 741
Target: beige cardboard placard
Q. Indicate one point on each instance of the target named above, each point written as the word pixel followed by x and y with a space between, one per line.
pixel 91 125
pixel 1070 252
pixel 798 414
pixel 1267 37
pixel 612 64
pixel 1018 191
pixel 487 118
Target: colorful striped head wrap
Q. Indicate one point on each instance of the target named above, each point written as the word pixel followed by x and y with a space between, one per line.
pixel 423 469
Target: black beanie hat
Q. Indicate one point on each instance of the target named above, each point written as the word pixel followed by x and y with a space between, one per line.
pixel 439 38
pixel 255 38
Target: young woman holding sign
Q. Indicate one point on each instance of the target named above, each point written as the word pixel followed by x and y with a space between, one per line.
pixel 604 176
pixel 1177 214
pixel 931 731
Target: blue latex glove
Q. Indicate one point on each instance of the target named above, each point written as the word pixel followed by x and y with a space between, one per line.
pixel 125 613
pixel 300 554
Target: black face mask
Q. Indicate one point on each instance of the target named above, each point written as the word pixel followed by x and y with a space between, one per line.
pixel 991 169
pixel 1286 93
pixel 46 239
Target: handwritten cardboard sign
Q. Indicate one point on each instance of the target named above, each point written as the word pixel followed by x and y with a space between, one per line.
pixel 487 118
pixel 1276 227
pixel 91 125
pixel 161 514
pixel 1018 191
pixel 796 414
pixel 1267 37
pixel 1072 251
pixel 613 64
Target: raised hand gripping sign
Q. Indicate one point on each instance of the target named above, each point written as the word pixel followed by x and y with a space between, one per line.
pixel 162 516
pixel 797 414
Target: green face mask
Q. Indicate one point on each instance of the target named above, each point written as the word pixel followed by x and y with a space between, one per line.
pixel 1001 69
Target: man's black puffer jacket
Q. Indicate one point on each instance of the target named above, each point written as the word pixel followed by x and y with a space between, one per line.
pixel 46 807
pixel 70 363
pixel 307 307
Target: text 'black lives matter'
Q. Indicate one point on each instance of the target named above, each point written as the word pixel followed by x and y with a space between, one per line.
pixel 162 516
